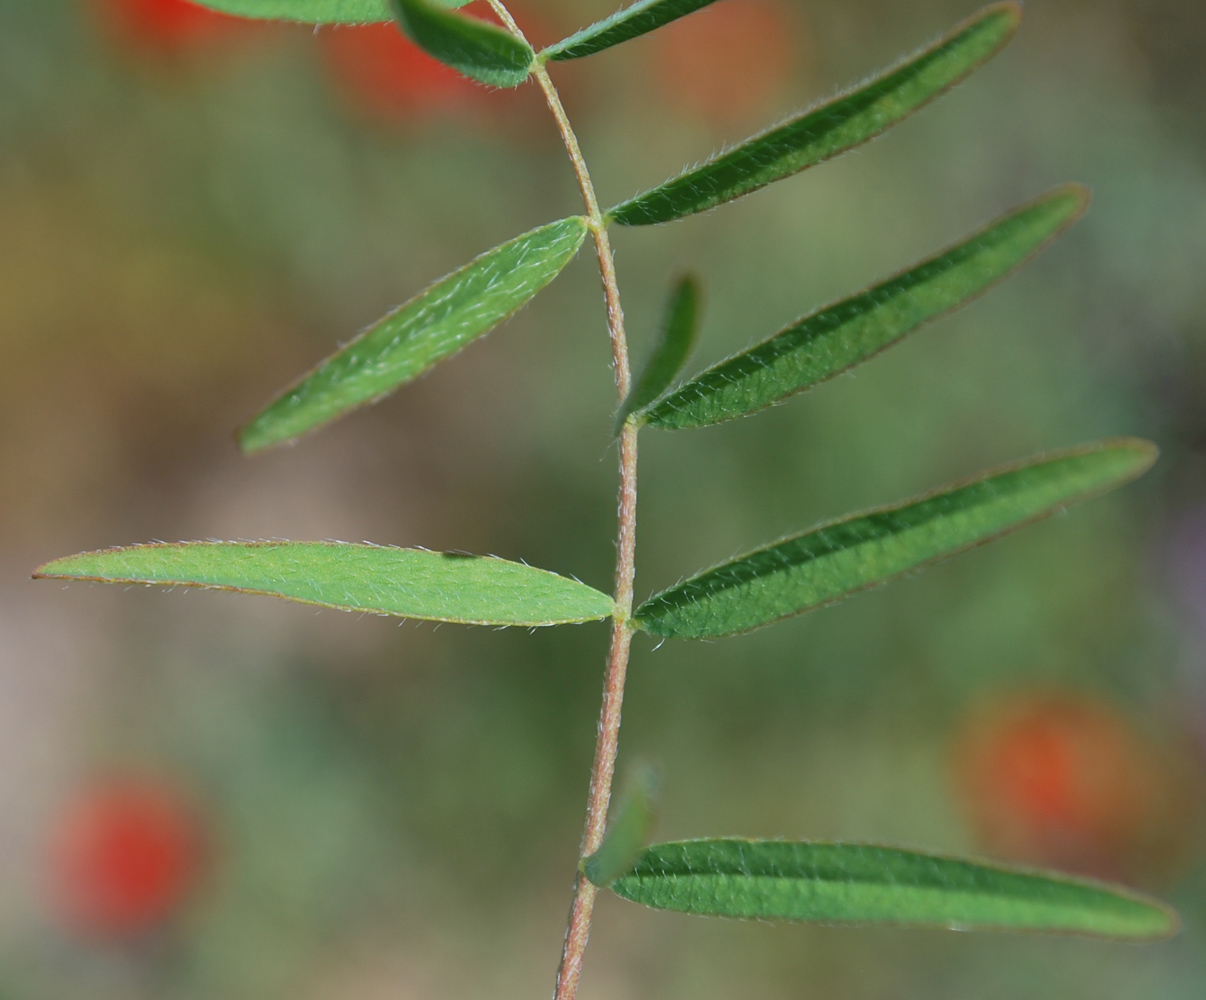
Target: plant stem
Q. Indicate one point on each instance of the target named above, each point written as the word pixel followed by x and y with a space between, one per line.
pixel 607 741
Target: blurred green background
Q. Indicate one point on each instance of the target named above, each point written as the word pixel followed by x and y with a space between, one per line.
pixel 193 211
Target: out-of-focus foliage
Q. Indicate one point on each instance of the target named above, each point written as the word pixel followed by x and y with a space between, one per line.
pixel 190 217
pixel 675 340
pixel 629 829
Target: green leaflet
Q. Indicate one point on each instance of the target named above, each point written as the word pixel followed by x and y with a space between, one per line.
pixel 314 11
pixel 835 339
pixel 476 48
pixel 627 833
pixel 409 583
pixel 680 326
pixel 837 559
pixel 637 19
pixel 429 328
pixel 856 884
pixel 830 129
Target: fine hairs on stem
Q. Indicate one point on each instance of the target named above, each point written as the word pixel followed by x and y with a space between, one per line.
pixel 607 742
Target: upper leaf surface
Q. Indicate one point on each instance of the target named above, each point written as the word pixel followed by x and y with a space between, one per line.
pixel 856 884
pixel 638 19
pixel 628 832
pixel 835 339
pixel 676 338
pixel 476 48
pixel 426 330
pixel 835 560
pixel 314 11
pixel 409 583
pixel 832 128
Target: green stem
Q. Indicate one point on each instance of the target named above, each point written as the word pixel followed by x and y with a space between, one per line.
pixel 607 743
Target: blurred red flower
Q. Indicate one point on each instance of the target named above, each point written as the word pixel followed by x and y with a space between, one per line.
pixel 124 858
pixel 1067 782
pixel 386 75
pixel 731 60
pixel 165 26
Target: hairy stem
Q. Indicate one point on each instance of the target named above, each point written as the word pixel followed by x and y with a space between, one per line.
pixel 607 741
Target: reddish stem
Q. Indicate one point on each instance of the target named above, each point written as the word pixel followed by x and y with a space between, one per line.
pixel 607 742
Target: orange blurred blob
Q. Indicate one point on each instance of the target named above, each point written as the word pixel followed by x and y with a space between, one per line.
pixel 165 26
pixel 731 60
pixel 1069 783
pixel 124 859
pixel 386 75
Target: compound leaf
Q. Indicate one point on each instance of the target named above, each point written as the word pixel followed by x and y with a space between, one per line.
pixel 476 48
pixel 830 129
pixel 429 328
pixel 637 19
pixel 857 884
pixel 408 583
pixel 314 11
pixel 832 561
pixel 835 339
pixel 628 832
pixel 676 338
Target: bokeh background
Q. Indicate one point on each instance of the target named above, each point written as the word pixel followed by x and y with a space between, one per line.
pixel 213 796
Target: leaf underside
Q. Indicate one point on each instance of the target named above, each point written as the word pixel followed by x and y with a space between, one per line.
pixel 676 338
pixel 857 884
pixel 832 561
pixel 314 11
pixel 830 129
pixel 407 583
pixel 636 19
pixel 841 336
pixel 434 325
pixel 476 48
pixel 628 832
